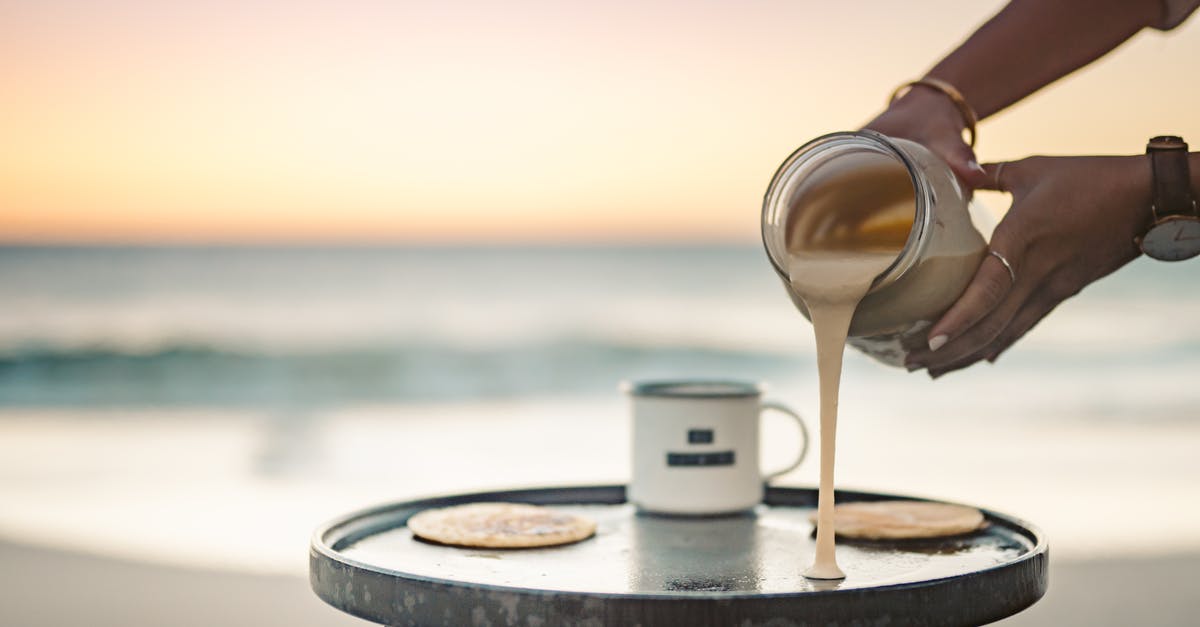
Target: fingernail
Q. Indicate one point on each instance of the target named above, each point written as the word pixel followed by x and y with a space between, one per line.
pixel 938 341
pixel 974 165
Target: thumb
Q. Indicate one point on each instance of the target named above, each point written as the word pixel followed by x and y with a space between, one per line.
pixel 961 160
pixel 994 177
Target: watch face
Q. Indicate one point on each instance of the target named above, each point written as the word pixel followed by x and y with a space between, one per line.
pixel 1173 239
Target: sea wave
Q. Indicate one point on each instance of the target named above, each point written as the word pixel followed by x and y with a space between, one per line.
pixel 189 374
pixel 185 373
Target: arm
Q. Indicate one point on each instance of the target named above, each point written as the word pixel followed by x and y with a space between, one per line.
pixel 1032 43
pixel 1028 45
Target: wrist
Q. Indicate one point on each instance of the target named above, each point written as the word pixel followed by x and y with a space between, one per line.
pixel 1137 181
pixel 976 95
pixel 1194 166
pixel 930 104
pixel 1140 177
pixel 1174 232
pixel 1137 186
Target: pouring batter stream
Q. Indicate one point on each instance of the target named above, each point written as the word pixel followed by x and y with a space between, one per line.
pixel 831 268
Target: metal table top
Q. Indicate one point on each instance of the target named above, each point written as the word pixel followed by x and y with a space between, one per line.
pixel 654 570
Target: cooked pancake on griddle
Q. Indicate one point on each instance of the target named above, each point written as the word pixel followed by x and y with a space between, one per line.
pixel 896 520
pixel 500 525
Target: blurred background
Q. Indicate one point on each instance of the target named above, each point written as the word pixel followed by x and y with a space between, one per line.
pixel 264 263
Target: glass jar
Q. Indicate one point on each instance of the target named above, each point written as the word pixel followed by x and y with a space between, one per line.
pixel 942 251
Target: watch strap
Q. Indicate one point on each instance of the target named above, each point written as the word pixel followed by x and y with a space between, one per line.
pixel 1172 178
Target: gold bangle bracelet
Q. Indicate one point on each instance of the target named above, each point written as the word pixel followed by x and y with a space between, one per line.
pixel 955 96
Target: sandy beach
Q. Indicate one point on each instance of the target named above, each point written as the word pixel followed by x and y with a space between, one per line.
pixel 191 535
pixel 45 587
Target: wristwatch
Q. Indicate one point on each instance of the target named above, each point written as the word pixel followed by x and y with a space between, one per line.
pixel 1175 234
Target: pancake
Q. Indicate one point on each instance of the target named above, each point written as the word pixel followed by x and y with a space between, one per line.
pixel 500 525
pixel 898 520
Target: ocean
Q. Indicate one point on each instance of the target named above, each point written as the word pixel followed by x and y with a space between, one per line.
pixel 148 392
pixel 255 326
pixel 231 326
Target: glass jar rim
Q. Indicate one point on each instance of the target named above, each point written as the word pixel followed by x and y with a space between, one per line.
pixel 918 235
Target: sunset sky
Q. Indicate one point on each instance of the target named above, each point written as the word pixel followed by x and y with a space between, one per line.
pixel 240 121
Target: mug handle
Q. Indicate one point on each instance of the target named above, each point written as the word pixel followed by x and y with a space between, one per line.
pixel 787 411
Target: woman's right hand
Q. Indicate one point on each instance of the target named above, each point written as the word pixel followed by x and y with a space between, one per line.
pixel 929 117
pixel 1073 220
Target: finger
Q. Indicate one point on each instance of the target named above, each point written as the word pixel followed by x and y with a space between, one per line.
pixel 1028 317
pixel 991 284
pixel 958 365
pixel 961 159
pixel 978 337
pixel 997 176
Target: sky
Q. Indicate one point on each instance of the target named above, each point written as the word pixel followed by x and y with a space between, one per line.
pixel 137 121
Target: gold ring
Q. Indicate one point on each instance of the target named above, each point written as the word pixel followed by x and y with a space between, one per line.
pixel 955 96
pixel 1007 266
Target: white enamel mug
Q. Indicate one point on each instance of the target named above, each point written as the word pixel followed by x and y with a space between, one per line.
pixel 696 446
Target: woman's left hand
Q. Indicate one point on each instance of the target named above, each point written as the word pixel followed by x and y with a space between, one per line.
pixel 930 118
pixel 1072 221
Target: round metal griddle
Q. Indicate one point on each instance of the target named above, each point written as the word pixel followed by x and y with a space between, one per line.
pixel 652 570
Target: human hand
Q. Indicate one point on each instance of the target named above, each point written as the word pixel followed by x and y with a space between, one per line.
pixel 930 118
pixel 1072 221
